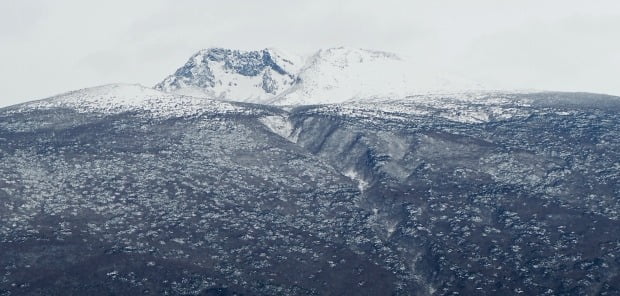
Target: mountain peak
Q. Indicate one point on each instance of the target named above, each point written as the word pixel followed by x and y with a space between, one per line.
pixel 233 74
pixel 331 75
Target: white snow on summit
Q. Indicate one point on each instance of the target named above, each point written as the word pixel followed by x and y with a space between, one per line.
pixel 244 76
pixel 340 74
pixel 334 75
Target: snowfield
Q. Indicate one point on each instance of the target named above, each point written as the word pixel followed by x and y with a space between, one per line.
pixel 328 76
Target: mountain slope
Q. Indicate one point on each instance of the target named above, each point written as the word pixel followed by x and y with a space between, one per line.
pixel 144 199
pixel 118 98
pixel 118 190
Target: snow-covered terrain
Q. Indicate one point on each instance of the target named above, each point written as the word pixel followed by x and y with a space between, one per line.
pixel 342 74
pixel 332 75
pixel 253 76
pixel 119 98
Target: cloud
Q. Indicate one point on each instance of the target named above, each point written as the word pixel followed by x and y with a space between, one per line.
pixel 576 53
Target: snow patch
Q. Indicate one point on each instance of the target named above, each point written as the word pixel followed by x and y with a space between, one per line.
pixel 281 126
pixel 353 175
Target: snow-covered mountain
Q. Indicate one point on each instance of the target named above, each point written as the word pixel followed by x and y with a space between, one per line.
pixel 332 75
pixel 254 76
pixel 124 189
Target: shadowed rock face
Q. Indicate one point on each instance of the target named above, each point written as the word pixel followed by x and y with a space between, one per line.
pixel 372 198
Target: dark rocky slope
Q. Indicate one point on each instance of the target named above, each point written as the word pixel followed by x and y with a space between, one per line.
pixel 367 198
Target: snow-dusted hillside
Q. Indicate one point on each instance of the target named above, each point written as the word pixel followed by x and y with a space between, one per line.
pixel 119 98
pixel 123 189
pixel 329 76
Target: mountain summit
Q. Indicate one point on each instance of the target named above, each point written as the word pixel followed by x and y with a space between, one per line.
pixel 334 75
pixel 254 76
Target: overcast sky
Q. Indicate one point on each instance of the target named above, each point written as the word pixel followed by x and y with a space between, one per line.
pixel 49 47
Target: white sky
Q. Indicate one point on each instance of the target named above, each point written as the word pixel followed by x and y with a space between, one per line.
pixel 49 47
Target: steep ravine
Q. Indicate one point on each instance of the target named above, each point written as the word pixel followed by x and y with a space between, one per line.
pixel 458 201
